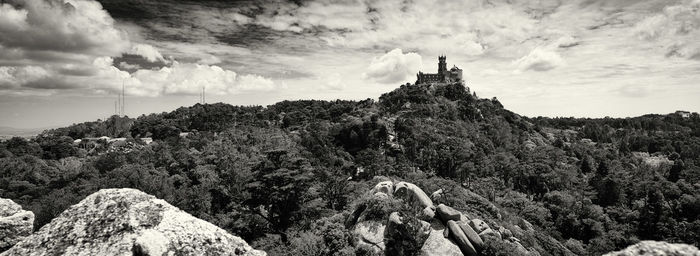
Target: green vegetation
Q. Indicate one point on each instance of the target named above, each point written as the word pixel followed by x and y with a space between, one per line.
pixel 278 176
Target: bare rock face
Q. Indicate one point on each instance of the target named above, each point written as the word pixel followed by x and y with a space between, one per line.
pixel 526 225
pixel 413 193
pixel 461 239
pixel 15 223
pixel 436 196
pixel 473 237
pixel 403 238
pixel 489 232
pixel 437 243
pixel 479 225
pixel 447 213
pixel 371 234
pixel 129 222
pixel 386 187
pixel 655 248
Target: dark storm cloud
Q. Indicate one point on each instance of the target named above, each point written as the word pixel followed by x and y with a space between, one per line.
pixel 77 71
pixel 132 62
pixel 51 83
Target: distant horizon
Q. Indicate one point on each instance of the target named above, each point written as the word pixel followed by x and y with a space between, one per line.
pixel 131 114
pixel 578 58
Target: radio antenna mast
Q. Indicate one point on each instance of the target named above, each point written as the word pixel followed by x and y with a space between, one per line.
pixel 123 99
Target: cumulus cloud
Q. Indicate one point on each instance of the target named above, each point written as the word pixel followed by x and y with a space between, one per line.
pixel 676 28
pixel 539 59
pixel 55 45
pixel 464 27
pixel 57 25
pixel 333 82
pixel 148 52
pixel 15 77
pixel 566 42
pixel 394 67
pixel 178 78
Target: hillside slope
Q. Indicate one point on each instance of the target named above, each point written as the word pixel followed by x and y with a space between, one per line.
pixel 279 176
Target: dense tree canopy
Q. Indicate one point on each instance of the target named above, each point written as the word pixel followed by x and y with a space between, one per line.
pixel 281 175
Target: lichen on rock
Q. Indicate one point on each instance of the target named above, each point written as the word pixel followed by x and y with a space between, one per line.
pixel 657 248
pixel 129 222
pixel 15 223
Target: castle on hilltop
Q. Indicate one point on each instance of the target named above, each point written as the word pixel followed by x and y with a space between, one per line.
pixel 443 75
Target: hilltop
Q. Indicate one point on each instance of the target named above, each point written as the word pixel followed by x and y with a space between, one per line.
pixel 285 176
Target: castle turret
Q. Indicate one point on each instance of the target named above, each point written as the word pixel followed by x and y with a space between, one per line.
pixel 442 65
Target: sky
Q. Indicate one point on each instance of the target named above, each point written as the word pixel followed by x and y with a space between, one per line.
pixel 65 61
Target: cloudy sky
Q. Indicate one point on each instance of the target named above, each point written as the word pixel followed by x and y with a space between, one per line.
pixel 63 61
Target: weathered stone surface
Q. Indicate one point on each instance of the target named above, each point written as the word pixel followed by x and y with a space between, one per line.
pixel 413 194
pixel 424 231
pixel 437 244
pixel 505 233
pixel 461 239
pixel 513 239
pixel 381 195
pixel 447 213
pixel 354 216
pixel 525 225
pixel 489 232
pixel 371 234
pixel 436 196
pixel 472 236
pixel 428 213
pixel 656 248
pixel 386 187
pixel 478 225
pixel 8 207
pixel 402 239
pixel 15 223
pixel 520 249
pixel 126 222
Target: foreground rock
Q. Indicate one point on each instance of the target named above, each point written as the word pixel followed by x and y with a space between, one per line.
pixel 15 223
pixel 404 238
pixel 370 234
pixel 437 244
pixel 129 222
pixel 649 248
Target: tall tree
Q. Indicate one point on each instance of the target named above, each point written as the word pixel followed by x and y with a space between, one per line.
pixel 279 188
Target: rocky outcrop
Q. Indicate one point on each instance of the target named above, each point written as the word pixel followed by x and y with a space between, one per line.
pixel 437 244
pixel 404 238
pixel 435 230
pixel 473 237
pixel 436 196
pixel 447 213
pixel 370 234
pixel 129 222
pixel 461 239
pixel 15 223
pixel 655 248
pixel 478 225
pixel 415 196
pixel 413 193
pixel 386 187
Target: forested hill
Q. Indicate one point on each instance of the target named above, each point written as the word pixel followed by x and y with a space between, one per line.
pixel 277 175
